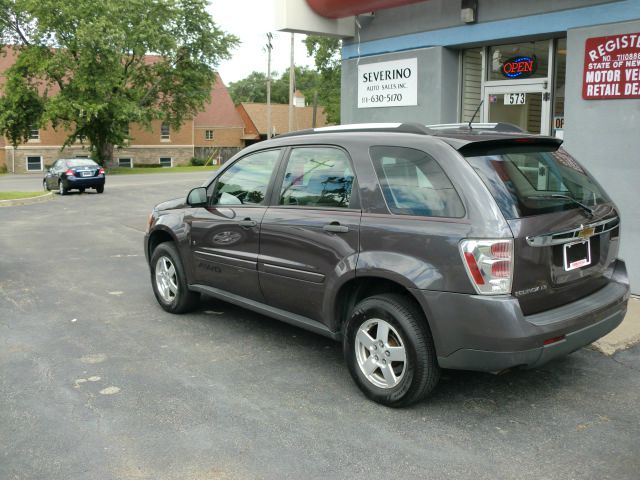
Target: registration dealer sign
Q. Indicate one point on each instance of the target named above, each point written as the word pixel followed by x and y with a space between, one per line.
pixel 388 84
pixel 612 67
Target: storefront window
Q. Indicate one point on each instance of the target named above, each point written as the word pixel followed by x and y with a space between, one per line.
pixel 557 127
pixel 519 61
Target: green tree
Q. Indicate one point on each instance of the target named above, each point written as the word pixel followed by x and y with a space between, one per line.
pixel 326 54
pixel 94 67
pixel 254 87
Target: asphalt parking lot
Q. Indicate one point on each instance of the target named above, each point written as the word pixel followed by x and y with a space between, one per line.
pixel 98 382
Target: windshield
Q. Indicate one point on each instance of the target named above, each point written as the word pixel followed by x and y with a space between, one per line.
pixel 535 180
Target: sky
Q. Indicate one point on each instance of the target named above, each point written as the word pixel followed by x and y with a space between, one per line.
pixel 250 20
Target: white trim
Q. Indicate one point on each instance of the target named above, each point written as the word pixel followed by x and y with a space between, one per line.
pixel 26 163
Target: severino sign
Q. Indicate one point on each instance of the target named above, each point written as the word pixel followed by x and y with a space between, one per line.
pixel 388 84
pixel 612 67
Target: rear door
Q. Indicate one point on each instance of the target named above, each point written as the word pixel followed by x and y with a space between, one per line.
pixel 309 238
pixel 566 233
pixel 225 234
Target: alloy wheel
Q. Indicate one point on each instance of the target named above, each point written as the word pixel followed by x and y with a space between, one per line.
pixel 380 353
pixel 166 279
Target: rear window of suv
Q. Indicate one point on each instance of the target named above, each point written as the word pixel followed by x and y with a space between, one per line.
pixel 524 180
pixel 413 183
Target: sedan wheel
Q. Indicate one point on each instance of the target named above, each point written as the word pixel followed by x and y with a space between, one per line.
pixel 61 189
pixel 45 186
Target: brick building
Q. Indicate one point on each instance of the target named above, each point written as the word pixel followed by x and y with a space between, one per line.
pixel 217 131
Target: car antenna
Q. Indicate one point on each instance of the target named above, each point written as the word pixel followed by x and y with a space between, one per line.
pixel 474 114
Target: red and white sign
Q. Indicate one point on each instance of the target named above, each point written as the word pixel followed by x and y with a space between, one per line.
pixel 612 67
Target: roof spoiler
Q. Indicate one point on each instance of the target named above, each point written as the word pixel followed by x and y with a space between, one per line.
pixel 496 146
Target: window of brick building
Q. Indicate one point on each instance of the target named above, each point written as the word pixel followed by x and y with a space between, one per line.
pixel 125 162
pixel 208 134
pixel 34 164
pixel 165 131
pixel 166 161
pixel 34 133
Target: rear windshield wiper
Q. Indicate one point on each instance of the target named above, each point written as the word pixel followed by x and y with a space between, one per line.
pixel 558 196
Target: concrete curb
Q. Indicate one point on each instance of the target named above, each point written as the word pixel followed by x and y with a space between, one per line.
pixel 626 335
pixel 26 201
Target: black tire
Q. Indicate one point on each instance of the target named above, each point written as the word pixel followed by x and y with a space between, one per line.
pixel 45 186
pixel 416 375
pixel 100 189
pixel 61 188
pixel 182 300
pixel 81 190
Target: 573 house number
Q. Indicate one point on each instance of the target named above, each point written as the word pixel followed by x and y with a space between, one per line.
pixel 515 98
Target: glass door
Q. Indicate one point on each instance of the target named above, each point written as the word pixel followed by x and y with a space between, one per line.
pixel 524 105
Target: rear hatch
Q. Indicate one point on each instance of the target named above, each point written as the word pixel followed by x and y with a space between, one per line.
pixel 565 227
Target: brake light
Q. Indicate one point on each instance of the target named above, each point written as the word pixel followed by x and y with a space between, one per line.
pixel 70 173
pixel 489 264
pixel 101 171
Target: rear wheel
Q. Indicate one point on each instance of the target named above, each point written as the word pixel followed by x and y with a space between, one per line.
pixel 170 282
pixel 81 190
pixel 389 351
pixel 100 189
pixel 61 189
pixel 45 186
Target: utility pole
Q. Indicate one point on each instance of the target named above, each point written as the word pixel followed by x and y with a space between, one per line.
pixel 269 48
pixel 291 83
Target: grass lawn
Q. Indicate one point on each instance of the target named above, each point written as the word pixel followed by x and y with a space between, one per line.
pixel 134 171
pixel 14 195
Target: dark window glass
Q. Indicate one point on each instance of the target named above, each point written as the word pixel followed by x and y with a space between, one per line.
pixel 34 163
pixel 522 180
pixel 165 161
pixel 164 131
pixel 317 177
pixel 125 162
pixel 414 184
pixel 246 181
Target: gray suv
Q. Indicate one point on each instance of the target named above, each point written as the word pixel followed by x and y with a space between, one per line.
pixel 473 247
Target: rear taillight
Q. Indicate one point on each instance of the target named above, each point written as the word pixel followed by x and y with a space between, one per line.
pixel 489 264
pixel 101 171
pixel 70 173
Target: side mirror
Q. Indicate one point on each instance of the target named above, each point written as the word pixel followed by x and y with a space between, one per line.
pixel 197 197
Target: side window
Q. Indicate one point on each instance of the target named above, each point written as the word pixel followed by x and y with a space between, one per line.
pixel 414 184
pixel 245 182
pixel 317 177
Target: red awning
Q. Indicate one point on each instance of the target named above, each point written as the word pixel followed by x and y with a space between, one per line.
pixel 342 8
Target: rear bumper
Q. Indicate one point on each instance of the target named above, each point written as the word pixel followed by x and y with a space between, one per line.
pixel 489 334
pixel 80 182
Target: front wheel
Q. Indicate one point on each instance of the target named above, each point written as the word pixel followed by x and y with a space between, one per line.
pixel 389 350
pixel 45 186
pixel 170 282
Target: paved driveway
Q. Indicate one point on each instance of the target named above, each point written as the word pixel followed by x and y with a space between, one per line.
pixel 97 382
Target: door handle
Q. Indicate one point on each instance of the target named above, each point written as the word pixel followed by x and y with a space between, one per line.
pixel 335 227
pixel 247 223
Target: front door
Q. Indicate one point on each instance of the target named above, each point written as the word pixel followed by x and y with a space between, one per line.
pixel 524 105
pixel 309 239
pixel 225 234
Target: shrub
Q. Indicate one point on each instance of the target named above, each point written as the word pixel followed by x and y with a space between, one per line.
pixel 197 162
pixel 3 169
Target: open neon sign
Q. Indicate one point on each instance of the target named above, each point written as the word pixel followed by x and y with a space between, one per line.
pixel 520 67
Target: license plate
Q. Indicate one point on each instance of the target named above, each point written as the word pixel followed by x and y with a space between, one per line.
pixel 87 174
pixel 577 254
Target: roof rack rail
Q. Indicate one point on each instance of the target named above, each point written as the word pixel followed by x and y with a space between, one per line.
pixel 365 127
pixel 498 127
